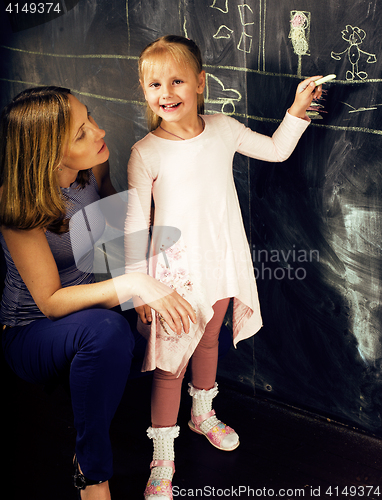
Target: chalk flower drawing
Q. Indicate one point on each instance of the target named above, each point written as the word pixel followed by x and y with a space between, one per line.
pixel 299 34
pixel 355 37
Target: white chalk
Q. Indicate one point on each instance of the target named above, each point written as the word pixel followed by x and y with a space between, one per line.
pixel 325 79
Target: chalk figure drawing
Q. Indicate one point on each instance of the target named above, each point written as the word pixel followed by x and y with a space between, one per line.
pixel 299 34
pixel 355 37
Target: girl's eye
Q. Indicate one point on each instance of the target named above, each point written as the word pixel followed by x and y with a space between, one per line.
pixel 154 85
pixel 177 82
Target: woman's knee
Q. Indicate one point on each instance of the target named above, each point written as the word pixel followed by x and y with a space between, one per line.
pixel 108 331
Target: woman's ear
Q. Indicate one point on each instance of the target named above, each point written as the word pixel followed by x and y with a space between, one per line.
pixel 201 82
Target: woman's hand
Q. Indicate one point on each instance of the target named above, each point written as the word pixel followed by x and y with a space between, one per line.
pixel 34 260
pixel 305 93
pixel 152 294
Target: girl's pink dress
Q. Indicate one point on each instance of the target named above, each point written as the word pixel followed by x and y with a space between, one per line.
pixel 198 246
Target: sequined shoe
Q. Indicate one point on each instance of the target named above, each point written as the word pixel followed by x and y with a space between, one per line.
pixel 159 488
pixel 203 419
pixel 218 434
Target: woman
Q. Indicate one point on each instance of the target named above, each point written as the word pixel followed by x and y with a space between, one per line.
pixel 53 163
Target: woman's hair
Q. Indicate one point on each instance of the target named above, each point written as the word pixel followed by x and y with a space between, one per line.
pixel 34 132
pixel 184 51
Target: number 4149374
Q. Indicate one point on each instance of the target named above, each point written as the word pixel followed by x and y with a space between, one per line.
pixel 33 8
pixel 354 491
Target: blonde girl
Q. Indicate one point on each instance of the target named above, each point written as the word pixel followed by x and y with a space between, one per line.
pixel 184 165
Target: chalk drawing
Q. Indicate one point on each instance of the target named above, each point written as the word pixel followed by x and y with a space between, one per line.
pixel 246 14
pixel 216 93
pixel 127 24
pixel 361 109
pixel 185 28
pixel 223 32
pixel 221 5
pixel 315 109
pixel 245 43
pixel 355 37
pixel 262 20
pixel 70 56
pixel 225 103
pixel 299 34
pixel 242 12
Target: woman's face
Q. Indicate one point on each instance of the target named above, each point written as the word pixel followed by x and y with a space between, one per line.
pixel 86 147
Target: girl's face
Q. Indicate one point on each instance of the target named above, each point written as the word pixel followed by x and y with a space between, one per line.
pixel 86 147
pixel 171 90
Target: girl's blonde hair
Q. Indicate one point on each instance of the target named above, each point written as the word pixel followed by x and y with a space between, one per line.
pixel 184 51
pixel 34 132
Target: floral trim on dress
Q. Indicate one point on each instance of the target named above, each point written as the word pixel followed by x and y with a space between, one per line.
pixel 172 270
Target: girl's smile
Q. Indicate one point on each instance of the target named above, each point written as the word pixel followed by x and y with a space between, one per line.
pixel 170 107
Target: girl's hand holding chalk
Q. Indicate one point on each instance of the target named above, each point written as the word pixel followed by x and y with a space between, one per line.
pixel 325 79
pixel 317 82
pixel 306 92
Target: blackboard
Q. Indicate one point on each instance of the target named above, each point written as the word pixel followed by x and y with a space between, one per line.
pixel 314 223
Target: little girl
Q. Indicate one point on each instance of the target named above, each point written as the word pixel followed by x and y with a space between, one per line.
pixel 198 243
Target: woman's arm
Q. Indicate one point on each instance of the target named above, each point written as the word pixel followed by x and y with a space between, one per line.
pixel 34 260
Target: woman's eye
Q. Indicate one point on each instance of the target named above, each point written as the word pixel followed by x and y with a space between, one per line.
pixel 81 136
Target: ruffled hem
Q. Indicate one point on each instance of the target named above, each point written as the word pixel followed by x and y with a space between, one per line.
pixel 202 393
pixel 163 432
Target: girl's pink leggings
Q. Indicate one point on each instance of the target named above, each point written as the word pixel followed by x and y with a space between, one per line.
pixel 166 391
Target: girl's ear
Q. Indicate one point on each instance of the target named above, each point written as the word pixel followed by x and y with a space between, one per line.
pixel 202 82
